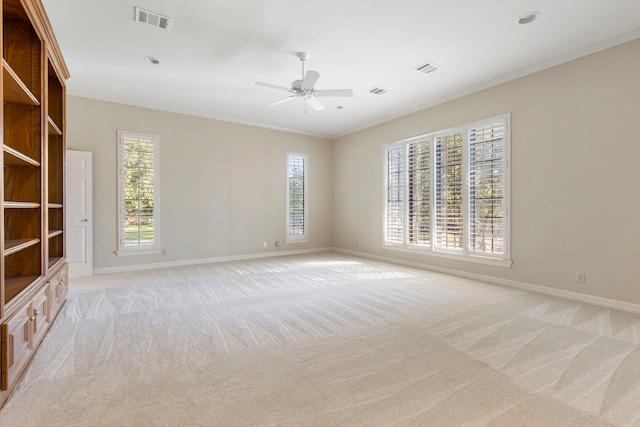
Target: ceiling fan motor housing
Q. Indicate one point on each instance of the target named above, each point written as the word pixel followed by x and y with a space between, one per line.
pixel 296 86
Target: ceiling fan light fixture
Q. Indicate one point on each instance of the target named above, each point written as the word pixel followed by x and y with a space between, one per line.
pixel 528 18
pixel 304 88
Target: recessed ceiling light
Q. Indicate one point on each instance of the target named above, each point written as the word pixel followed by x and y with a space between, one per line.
pixel 528 17
pixel 151 60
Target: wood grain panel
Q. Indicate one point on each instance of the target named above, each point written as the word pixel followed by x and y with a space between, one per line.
pixel 26 263
pixel 14 89
pixel 22 129
pixel 55 219
pixel 22 184
pixel 56 246
pixel 22 224
pixel 23 52
pixel 55 96
pixel 55 170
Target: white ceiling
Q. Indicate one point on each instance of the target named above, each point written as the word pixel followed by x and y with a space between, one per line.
pixel 216 49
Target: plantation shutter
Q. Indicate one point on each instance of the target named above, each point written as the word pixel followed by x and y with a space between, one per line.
pixel 138 177
pixel 446 193
pixel 296 197
pixel 394 195
pixel 487 168
pixel 449 192
pixel 419 189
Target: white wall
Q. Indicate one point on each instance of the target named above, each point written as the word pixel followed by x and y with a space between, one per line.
pixel 575 194
pixel 222 185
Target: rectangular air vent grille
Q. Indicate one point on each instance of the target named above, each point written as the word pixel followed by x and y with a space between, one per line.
pixel 377 91
pixel 427 67
pixel 152 18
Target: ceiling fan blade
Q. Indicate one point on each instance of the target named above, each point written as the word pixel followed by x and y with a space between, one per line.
pixel 310 79
pixel 269 85
pixel 334 92
pixel 283 100
pixel 314 103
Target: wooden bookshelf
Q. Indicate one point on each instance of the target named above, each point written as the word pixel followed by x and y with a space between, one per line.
pixel 33 271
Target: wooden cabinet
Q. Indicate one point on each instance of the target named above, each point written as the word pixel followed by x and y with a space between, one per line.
pixel 33 278
pixel 58 288
pixel 16 345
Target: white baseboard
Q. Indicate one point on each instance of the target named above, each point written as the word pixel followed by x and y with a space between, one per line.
pixel 576 296
pixel 182 263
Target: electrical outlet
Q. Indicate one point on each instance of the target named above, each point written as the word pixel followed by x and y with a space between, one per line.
pixel 264 244
pixel 581 277
pixel 277 243
pixel 164 252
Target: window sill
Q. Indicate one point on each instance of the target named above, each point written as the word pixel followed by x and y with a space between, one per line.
pixel 132 252
pixel 300 240
pixel 466 258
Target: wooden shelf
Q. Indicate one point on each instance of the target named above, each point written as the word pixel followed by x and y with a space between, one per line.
pixel 16 158
pixel 54 206
pixel 13 286
pixel 53 127
pixel 54 233
pixel 14 89
pixel 53 261
pixel 16 245
pixel 21 205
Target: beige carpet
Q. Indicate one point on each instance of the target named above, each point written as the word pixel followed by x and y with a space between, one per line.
pixel 326 339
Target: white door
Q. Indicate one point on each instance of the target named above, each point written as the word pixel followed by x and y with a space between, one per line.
pixel 79 214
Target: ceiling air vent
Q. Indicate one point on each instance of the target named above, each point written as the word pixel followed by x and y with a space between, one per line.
pixel 377 91
pixel 427 67
pixel 152 18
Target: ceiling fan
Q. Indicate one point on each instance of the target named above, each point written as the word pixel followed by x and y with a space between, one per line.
pixel 304 88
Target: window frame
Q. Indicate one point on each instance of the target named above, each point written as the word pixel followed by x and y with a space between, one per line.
pixel 296 237
pixel 140 249
pixel 465 253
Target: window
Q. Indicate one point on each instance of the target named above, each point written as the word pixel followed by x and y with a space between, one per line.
pixel 138 196
pixel 296 198
pixel 446 193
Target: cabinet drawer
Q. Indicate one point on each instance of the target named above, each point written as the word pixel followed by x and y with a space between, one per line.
pixel 16 349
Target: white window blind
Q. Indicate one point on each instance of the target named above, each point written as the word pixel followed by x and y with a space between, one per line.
pixel 448 175
pixel 419 191
pixel 486 188
pixel 394 195
pixel 297 197
pixel 138 193
pixel 446 192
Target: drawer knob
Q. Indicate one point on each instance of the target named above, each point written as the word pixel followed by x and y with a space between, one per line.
pixel 62 280
pixel 35 312
pixel 32 318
